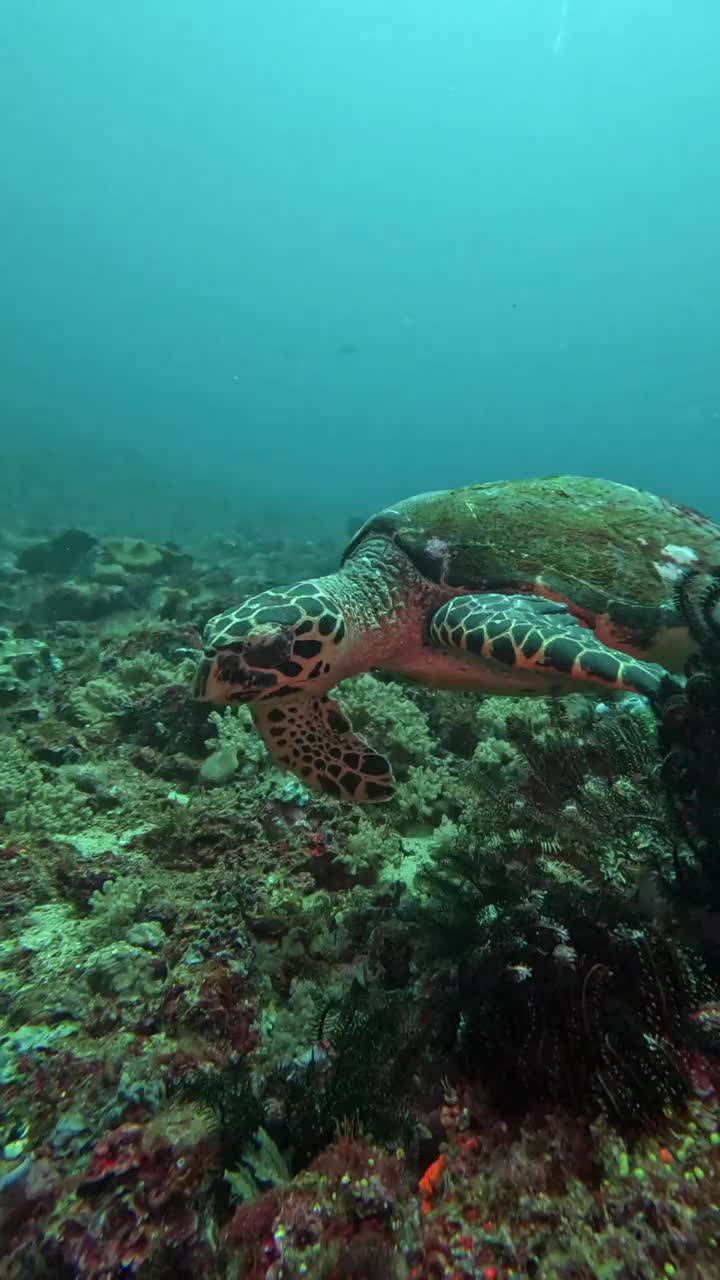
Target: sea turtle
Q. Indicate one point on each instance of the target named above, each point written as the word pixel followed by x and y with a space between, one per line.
pixel 518 587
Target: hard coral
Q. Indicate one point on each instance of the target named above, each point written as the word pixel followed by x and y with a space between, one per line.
pixel 334 1220
pixel 555 1201
pixel 133 555
pixel 57 556
pixel 251 1225
pixel 84 602
pixel 27 1194
pixel 143 1190
pixel 168 719
pixel 221 1007
pixel 216 1007
pixel 369 1257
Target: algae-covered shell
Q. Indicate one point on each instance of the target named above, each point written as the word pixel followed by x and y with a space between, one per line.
pixel 588 541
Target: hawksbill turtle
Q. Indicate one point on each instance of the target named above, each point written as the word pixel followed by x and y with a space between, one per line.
pixel 529 586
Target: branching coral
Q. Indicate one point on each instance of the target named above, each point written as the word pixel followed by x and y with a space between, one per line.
pixel 141 1194
pixel 388 716
pixel 237 746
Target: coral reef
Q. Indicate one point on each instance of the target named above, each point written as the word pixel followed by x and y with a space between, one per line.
pixel 248 1032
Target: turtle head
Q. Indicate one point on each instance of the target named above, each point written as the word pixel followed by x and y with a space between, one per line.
pixel 276 642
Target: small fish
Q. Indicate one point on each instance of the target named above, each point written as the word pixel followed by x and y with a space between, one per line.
pixel 519 972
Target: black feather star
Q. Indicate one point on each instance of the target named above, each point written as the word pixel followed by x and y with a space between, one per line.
pixel 556 996
pixel 697 596
pixel 689 728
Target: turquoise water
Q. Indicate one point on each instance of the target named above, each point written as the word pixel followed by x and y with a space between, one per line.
pixel 269 259
pixel 268 265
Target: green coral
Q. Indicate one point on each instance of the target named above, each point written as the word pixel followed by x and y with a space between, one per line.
pixel 118 903
pixel 122 972
pixel 369 847
pixel 148 672
pixel 289 1025
pixel 95 700
pixel 237 745
pixel 428 792
pixel 33 799
pixel 388 716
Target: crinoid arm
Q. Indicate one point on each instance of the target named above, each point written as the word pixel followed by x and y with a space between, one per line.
pixel 313 738
pixel 533 634
pixel 697 599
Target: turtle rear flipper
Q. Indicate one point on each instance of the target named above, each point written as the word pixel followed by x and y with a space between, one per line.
pixel 314 739
pixel 540 636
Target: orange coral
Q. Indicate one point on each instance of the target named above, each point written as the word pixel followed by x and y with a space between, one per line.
pixel 430 1181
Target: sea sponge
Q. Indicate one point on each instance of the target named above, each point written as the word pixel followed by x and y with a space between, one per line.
pixel 219 766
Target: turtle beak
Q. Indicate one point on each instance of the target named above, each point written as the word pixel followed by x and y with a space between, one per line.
pixel 225 680
pixel 214 681
pixel 220 682
pixel 210 685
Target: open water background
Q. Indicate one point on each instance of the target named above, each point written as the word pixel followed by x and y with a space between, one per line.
pixel 275 264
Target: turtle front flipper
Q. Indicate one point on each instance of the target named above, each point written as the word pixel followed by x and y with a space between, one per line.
pixel 314 739
pixel 539 636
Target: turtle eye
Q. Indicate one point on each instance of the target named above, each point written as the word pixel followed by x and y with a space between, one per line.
pixel 210 652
